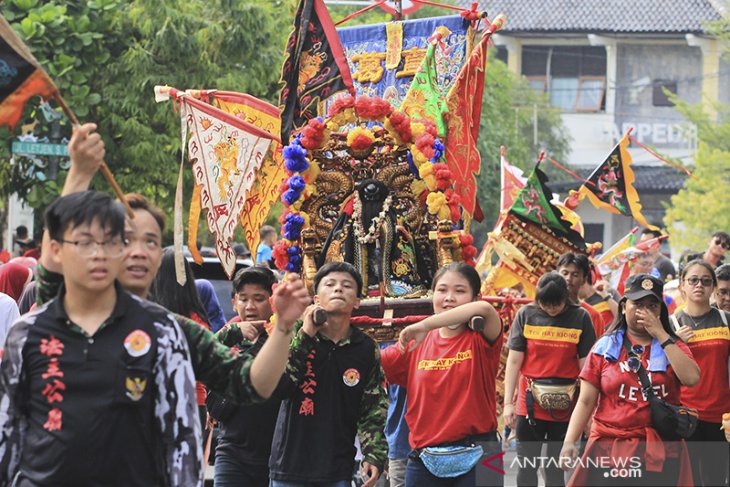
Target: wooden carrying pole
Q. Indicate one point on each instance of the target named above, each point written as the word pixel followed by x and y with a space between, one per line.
pixel 104 168
pixel 15 43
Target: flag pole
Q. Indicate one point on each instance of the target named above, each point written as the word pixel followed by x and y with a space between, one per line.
pixel 104 168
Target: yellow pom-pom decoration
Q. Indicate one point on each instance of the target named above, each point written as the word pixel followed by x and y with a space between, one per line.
pixel 311 174
pixel 417 129
pixel 418 187
pixel 360 132
pixel 418 157
pixel 436 201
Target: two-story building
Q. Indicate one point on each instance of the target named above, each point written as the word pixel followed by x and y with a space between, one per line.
pixel 604 64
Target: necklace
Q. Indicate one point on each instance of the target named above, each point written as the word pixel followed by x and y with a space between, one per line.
pixel 375 225
pixel 698 323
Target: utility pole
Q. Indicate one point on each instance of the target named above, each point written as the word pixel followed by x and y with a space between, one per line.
pixel 53 161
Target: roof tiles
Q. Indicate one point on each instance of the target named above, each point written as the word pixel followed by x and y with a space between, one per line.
pixel 595 16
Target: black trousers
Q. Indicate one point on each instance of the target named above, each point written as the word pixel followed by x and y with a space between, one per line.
pixel 709 461
pixel 529 445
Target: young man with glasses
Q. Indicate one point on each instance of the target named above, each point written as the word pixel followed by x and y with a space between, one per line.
pixel 97 385
pixel 722 292
pixel 714 255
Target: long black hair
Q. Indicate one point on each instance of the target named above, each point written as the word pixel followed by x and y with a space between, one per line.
pixel 165 290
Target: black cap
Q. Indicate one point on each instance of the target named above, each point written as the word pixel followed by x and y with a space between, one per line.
pixel 643 285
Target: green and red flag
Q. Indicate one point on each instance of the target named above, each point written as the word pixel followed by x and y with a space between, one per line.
pixel 533 205
pixel 21 77
pixel 424 100
pixel 612 185
pixel 315 67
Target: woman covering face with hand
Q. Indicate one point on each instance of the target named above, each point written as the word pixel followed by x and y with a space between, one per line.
pixel 622 429
pixel 448 364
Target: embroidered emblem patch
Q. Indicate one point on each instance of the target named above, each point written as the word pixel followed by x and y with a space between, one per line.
pixel 647 284
pixel 351 377
pixel 137 343
pixel 135 387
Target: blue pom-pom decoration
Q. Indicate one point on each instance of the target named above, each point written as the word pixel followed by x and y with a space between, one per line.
pixel 290 196
pixel 297 183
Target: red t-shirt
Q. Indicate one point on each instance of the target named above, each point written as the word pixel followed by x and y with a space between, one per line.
pixel 450 383
pixel 200 392
pixel 621 403
pixel 596 318
pixel 601 305
pixel 552 347
pixel 711 348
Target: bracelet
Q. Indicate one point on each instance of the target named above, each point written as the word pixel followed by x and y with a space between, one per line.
pixel 509 404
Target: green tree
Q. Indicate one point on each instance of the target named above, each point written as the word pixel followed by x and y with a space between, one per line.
pixel 704 195
pixel 107 55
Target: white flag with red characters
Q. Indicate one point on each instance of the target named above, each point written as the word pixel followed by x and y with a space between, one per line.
pixel 512 182
pixel 226 152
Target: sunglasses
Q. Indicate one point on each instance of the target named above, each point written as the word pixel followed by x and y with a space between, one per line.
pixel 694 280
pixel 635 357
pixel 722 243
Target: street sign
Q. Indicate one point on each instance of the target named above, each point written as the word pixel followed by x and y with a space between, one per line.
pixel 40 149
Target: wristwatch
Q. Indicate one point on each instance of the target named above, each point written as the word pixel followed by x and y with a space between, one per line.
pixel 666 342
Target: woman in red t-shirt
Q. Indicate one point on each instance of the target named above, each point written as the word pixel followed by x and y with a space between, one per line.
pixel 623 446
pixel 705 331
pixel 548 343
pixel 448 364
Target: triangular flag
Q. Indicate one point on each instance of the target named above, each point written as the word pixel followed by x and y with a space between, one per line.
pixel 266 189
pixel 512 182
pixel 21 77
pixel 423 100
pixel 226 153
pixel 533 204
pixel 612 187
pixel 613 264
pixel 464 105
pixel 315 67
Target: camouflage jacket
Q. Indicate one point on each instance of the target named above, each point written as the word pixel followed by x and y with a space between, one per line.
pixel 332 391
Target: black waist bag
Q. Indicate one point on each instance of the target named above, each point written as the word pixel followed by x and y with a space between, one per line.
pixel 672 422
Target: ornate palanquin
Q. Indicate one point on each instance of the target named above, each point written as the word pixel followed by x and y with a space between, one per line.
pixel 367 188
pixel 526 252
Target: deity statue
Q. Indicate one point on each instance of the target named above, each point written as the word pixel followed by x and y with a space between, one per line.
pixel 378 242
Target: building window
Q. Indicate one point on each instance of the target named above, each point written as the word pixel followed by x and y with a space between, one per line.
pixel 573 76
pixel 659 99
pixel 593 232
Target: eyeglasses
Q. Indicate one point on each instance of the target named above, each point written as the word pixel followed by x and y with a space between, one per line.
pixel 88 248
pixel 723 292
pixel 722 243
pixel 694 280
pixel 635 357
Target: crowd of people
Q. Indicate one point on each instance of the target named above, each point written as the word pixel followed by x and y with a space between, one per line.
pixel 120 372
